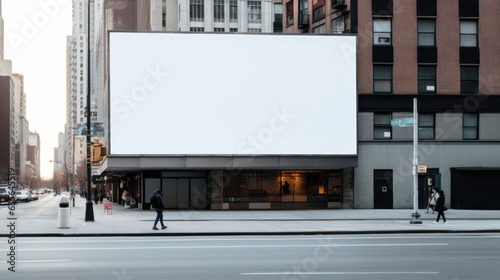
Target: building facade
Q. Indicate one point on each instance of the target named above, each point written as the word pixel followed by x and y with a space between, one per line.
pixel 278 182
pixel 7 124
pixel 439 52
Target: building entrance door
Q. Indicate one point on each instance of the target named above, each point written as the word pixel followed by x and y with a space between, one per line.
pixel 427 181
pixel 382 189
pixel 176 193
pixel 184 193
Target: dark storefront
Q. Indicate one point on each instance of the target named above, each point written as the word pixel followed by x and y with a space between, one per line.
pixel 475 188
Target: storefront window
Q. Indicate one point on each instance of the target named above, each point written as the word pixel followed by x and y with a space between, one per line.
pixel 335 187
pixel 231 188
pixel 317 186
pixel 284 186
pixel 271 186
pixel 294 186
pixel 250 189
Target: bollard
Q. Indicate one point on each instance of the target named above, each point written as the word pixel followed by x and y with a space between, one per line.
pixel 63 213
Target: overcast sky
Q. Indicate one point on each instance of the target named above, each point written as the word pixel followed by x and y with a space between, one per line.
pixel 35 33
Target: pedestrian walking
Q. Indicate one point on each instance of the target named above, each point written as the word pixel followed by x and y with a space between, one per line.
pixel 432 200
pixel 440 208
pixel 157 203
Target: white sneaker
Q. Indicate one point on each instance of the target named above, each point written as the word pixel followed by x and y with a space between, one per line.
pixel 435 222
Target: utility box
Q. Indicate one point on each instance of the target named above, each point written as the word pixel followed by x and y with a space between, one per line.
pixel 63 213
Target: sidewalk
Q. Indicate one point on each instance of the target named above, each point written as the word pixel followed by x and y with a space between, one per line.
pixel 135 222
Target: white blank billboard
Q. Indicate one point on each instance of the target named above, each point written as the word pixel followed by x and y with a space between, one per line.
pixel 232 94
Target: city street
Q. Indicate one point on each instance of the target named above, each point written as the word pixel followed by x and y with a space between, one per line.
pixel 425 256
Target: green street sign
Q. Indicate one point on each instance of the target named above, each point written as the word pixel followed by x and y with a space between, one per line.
pixel 406 122
pixel 395 122
pixel 402 122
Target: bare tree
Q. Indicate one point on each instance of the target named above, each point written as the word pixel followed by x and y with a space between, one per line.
pixel 81 174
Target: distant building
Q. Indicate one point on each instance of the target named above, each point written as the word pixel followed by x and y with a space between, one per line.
pixel 34 147
pixel 7 124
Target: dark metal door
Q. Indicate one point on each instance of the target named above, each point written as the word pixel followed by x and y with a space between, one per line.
pixel 382 189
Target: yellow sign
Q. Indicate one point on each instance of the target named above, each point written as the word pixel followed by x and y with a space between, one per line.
pixel 422 169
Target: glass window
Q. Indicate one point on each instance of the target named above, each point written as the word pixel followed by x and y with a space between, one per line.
pixel 427 79
pixel 219 10
pixel 317 183
pixel 231 185
pixel 382 129
pixel 338 25
pixel 470 126
pixel 468 33
pixel 289 13
pixel 271 186
pixel 319 29
pixel 254 30
pixel 250 188
pixel 254 11
pixel 197 29
pixel 282 186
pixel 426 126
pixel 382 78
pixel 382 32
pixel 278 18
pixel 196 10
pixel 469 79
pixel 233 11
pixel 164 13
pixel 427 32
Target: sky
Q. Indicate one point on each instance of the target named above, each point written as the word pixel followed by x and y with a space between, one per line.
pixel 35 33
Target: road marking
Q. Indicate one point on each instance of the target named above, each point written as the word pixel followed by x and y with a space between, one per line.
pixel 42 261
pixel 340 273
pixel 235 246
pixel 322 237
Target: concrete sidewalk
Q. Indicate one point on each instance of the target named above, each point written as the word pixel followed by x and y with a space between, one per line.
pixel 135 222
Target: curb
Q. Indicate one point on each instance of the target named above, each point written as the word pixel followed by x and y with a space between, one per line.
pixel 250 233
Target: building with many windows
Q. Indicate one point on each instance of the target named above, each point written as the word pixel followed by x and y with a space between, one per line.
pixel 442 53
pixel 226 16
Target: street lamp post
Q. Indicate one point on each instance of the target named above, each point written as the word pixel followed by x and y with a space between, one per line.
pixel 89 211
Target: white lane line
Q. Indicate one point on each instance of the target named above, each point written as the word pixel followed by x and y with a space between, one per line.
pixel 340 273
pixel 234 247
pixel 43 261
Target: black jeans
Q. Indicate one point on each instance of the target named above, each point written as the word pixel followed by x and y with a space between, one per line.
pixel 441 213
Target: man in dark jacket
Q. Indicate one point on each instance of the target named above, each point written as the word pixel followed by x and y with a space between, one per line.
pixel 159 209
pixel 440 208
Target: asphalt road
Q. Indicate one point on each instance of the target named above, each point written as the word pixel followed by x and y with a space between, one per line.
pixel 425 256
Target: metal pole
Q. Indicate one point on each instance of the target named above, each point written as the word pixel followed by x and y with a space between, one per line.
pixel 89 211
pixel 415 216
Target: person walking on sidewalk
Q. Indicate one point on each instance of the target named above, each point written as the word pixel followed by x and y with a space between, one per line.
pixel 158 205
pixel 440 208
pixel 432 200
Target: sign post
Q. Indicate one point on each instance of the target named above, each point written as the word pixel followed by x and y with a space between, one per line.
pixel 415 216
pixel 416 168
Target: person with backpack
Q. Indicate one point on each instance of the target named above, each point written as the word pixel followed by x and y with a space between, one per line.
pixel 157 203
